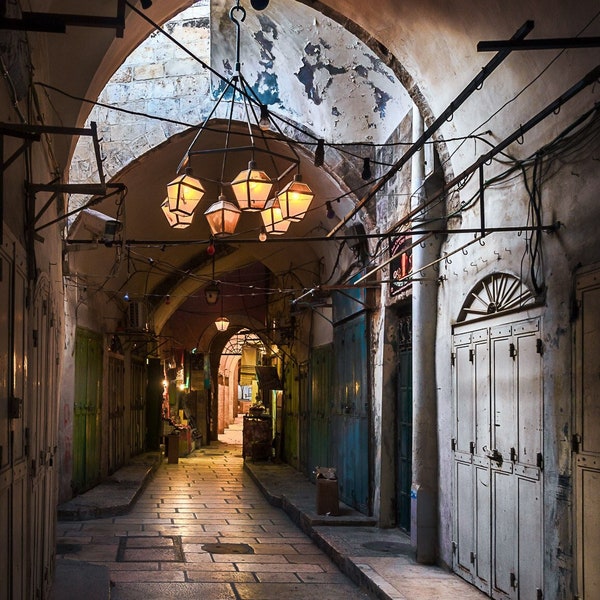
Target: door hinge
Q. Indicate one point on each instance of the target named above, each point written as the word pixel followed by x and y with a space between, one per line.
pixel 512 350
pixel 540 594
pixel 472 447
pixel 539 346
pixel 454 546
pixel 453 444
pixel 513 455
pixel 540 461
pixel 471 355
pixel 452 358
pixel 35 338
pixel 576 443
pixel 473 556
pixel 513 581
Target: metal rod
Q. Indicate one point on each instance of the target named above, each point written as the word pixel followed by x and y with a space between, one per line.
pixel 232 241
pixel 475 84
pixel 539 44
pixel 404 250
pixel 430 264
pixel 97 153
pixel 588 80
pixel 482 200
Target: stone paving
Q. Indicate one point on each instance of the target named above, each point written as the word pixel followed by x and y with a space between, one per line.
pixel 202 529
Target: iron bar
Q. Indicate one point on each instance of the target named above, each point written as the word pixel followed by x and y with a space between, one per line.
pixel 303 240
pixel 475 84
pixel 539 44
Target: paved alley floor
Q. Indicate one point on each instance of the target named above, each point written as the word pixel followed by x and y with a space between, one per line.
pixel 202 529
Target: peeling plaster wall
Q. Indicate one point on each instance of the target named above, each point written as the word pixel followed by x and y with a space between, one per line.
pixel 310 69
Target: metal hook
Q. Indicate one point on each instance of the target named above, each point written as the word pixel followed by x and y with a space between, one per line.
pixel 521 139
pixel 481 242
pixel 241 9
pixel 465 252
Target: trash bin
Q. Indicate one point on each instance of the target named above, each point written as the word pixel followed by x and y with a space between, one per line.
pixel 327 492
pixel 173 448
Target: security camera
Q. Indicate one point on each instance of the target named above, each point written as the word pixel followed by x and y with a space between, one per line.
pixel 102 227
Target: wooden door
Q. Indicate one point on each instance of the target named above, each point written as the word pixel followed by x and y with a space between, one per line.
pixel 15 435
pixel 137 407
pixel 116 412
pixel 43 374
pixel 586 439
pixel 321 401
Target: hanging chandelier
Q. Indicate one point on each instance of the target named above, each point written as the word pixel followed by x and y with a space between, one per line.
pixel 279 200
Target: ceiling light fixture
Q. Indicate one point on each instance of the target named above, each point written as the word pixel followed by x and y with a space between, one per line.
pixel 222 322
pixel 252 188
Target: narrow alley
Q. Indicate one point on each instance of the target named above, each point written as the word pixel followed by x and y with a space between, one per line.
pixel 202 529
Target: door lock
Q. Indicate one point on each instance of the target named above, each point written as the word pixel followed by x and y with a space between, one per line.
pixel 494 455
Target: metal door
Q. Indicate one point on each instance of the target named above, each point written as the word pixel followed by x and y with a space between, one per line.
pixel 116 412
pixel 498 459
pixel 320 403
pixel 349 421
pixel 87 410
pixel 586 439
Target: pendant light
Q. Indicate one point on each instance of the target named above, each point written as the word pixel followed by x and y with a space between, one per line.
pixel 295 198
pixel 222 217
pixel 184 193
pixel 272 217
pixel 176 220
pixel 251 188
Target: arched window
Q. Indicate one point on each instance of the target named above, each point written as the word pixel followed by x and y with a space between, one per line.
pixel 497 293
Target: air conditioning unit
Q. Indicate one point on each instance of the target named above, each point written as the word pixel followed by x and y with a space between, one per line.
pixel 137 316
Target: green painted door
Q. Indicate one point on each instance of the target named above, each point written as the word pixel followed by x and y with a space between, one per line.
pixel 87 429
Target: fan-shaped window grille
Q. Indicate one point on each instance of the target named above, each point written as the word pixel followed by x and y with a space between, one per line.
pixel 499 292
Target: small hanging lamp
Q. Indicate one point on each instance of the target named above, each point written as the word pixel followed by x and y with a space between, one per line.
pixel 176 220
pixel 222 322
pixel 184 193
pixel 294 199
pixel 222 217
pixel 273 219
pixel 251 188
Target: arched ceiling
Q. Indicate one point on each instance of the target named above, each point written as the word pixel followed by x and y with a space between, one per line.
pixel 430 45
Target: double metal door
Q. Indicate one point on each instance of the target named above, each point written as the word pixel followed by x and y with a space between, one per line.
pixel 498 461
